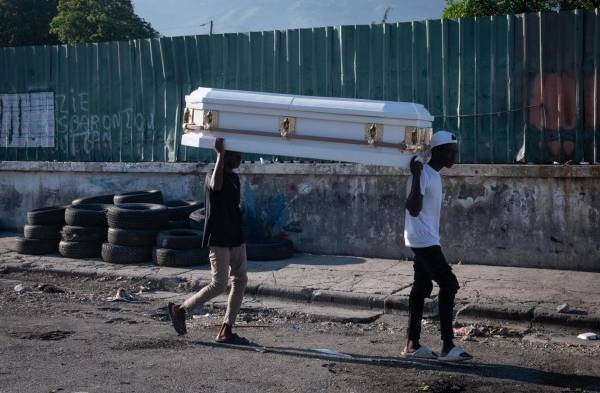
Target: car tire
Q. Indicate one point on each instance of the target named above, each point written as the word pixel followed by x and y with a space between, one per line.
pixel 137 216
pixel 114 253
pixel 179 239
pixel 132 237
pixel 71 233
pixel 34 246
pixel 87 215
pixel 52 215
pixel 79 250
pixel 180 258
pixel 180 209
pixel 43 232
pixel 153 196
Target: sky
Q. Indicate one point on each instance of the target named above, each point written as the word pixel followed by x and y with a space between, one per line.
pixel 189 17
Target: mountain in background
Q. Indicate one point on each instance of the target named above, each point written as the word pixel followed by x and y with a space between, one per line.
pixel 189 17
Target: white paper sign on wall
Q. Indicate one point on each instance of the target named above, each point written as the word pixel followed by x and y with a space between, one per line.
pixel 27 120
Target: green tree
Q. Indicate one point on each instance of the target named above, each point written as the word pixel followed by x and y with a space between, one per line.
pixel 579 4
pixel 98 20
pixel 26 22
pixel 460 8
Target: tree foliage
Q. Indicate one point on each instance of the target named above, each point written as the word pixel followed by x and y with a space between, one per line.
pixel 80 21
pixel 460 8
pixel 26 22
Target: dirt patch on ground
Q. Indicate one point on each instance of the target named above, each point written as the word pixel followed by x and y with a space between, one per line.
pixel 53 335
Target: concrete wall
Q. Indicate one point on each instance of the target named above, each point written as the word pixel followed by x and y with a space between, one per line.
pixel 531 216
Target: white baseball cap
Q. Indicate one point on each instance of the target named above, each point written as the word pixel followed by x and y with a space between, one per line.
pixel 442 138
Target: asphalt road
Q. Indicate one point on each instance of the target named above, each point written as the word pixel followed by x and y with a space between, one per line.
pixel 76 341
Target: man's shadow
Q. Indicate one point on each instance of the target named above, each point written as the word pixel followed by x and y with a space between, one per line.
pixel 476 368
pixel 304 260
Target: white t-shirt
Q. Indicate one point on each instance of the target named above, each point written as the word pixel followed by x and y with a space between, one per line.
pixel 424 230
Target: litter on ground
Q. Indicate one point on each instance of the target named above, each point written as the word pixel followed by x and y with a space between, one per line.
pixel 588 336
pixel 124 296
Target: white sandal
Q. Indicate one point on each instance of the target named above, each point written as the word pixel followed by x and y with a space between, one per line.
pixel 455 355
pixel 424 352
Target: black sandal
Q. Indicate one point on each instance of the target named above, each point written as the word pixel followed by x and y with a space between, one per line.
pixel 234 339
pixel 178 320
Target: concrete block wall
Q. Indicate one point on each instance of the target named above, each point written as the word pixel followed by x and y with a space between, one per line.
pixel 528 216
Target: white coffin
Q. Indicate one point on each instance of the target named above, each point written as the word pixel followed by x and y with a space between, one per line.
pixel 336 129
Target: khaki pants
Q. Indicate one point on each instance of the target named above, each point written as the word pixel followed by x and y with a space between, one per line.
pixel 224 262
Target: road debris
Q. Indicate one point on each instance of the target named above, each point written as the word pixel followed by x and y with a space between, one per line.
pixel 19 288
pixel 200 316
pixel 124 296
pixel 564 308
pixel 484 331
pixel 588 336
pixel 334 368
pixel 567 309
pixel 49 288
pixel 147 287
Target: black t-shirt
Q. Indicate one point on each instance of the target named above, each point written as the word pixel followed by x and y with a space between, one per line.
pixel 223 225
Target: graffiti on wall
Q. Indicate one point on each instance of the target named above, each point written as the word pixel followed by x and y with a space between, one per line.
pixel 86 131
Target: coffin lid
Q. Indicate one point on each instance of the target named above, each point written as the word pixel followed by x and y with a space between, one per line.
pixel 283 102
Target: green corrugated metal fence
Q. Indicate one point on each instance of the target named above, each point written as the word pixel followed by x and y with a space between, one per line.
pixel 514 88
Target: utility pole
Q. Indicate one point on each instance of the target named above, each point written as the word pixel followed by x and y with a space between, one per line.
pixel 211 26
pixel 385 15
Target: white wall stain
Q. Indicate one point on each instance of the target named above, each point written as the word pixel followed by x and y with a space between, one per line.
pixel 304 188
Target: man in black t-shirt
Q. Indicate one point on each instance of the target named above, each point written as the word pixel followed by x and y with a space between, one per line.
pixel 224 237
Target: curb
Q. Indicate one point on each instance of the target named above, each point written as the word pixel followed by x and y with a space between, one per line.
pixel 533 315
pixel 390 304
pixel 386 304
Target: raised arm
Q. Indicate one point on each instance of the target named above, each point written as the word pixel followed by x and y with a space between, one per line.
pixel 414 202
pixel 216 180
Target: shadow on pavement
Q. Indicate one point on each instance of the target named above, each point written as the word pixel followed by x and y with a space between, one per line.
pixel 4 233
pixel 477 368
pixel 304 260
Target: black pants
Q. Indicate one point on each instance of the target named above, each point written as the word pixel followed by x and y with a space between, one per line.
pixel 430 264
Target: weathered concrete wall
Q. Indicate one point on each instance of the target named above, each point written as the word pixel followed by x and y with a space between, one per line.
pixel 542 216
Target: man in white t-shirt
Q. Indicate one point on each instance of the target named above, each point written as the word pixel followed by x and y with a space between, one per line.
pixel 421 234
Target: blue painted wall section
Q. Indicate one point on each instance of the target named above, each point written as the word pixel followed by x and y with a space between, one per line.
pixel 267 215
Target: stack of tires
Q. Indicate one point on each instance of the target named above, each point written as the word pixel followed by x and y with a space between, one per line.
pixel 85 231
pixel 179 212
pixel 180 248
pixel 42 232
pixel 133 226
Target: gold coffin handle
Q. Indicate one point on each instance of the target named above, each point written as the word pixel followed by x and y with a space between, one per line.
pixel 188 119
pixel 416 139
pixel 210 119
pixel 374 133
pixel 287 126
